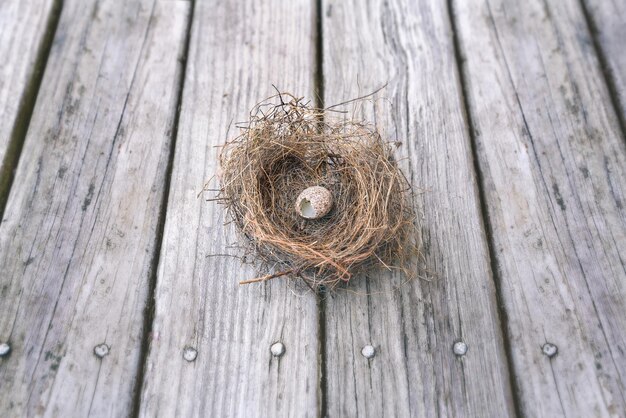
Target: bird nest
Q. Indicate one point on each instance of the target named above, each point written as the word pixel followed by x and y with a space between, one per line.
pixel 287 147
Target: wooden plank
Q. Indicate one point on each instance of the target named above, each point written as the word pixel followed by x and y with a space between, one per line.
pixel 78 240
pixel 608 22
pixel 413 326
pixel 553 164
pixel 25 32
pixel 238 49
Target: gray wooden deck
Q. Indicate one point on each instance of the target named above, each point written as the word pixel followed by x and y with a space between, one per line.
pixel 114 300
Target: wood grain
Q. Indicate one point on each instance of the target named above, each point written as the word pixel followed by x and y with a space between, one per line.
pixel 238 50
pixel 413 326
pixel 553 164
pixel 25 29
pixel 608 21
pixel 78 239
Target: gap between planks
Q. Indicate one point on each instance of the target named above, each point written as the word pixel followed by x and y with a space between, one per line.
pixel 483 210
pixel 611 84
pixel 27 106
pixel 321 292
pixel 150 302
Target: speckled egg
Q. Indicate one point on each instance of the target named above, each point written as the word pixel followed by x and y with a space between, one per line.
pixel 314 202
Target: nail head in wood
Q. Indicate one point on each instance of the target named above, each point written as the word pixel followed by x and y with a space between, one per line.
pixel 5 349
pixel 550 350
pixel 190 354
pixel 368 351
pixel 459 348
pixel 277 349
pixel 101 350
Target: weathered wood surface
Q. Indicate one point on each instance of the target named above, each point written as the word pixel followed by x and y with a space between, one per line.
pixel 409 45
pixel 553 165
pixel 80 228
pixel 80 236
pixel 608 20
pixel 24 27
pixel 238 49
